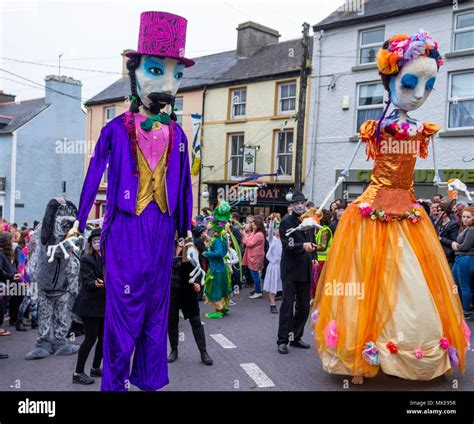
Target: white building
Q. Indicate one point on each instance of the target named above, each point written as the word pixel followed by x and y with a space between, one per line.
pixel 347 90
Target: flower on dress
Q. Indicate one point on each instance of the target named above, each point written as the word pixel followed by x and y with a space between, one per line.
pixel 453 356
pixel 330 334
pixel 371 353
pixel 412 130
pixel 391 347
pixel 419 353
pixel 365 209
pixel 315 316
pixel 443 341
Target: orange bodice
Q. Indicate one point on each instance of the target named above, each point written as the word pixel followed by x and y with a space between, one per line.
pixel 391 183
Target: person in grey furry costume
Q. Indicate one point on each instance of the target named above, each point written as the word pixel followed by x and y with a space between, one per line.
pixel 57 282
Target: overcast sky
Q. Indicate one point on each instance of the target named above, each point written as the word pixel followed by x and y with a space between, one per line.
pixel 92 34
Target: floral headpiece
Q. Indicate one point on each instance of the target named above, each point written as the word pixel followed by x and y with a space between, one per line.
pixel 401 49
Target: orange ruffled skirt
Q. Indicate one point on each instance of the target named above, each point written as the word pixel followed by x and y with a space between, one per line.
pixel 388 283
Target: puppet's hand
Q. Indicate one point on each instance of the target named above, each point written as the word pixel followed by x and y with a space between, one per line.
pixel 74 231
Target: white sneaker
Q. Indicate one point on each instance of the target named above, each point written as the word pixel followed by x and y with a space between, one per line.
pixel 256 296
pixel 232 303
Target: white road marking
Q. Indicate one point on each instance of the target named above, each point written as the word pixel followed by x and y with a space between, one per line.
pixel 257 375
pixel 223 341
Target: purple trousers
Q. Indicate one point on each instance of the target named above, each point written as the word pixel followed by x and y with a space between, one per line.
pixel 138 263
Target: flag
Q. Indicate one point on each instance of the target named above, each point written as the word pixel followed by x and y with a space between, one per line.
pixel 196 120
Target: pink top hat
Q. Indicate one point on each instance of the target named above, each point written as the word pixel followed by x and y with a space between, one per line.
pixel 162 34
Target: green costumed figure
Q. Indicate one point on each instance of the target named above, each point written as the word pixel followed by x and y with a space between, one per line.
pixel 217 286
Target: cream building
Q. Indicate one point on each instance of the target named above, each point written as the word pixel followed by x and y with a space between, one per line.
pixel 250 111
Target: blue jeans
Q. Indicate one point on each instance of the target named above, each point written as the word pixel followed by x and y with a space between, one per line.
pixel 463 273
pixel 256 279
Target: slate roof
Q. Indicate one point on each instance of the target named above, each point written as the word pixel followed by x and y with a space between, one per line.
pixel 14 115
pixel 375 10
pixel 223 69
pixel 268 62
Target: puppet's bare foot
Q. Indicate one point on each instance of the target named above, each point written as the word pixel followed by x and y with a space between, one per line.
pixel 358 379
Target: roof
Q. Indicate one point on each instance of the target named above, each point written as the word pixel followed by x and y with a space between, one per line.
pixel 268 62
pixel 202 73
pixel 114 92
pixel 17 114
pixel 375 10
pixel 223 68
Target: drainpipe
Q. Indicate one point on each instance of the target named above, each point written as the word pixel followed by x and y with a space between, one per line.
pixel 202 150
pixel 316 85
pixel 13 178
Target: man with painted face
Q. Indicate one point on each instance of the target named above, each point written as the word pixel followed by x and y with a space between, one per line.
pixel 296 259
pixel 386 298
pixel 149 199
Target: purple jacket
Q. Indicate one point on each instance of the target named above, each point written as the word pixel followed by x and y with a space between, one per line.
pixel 113 147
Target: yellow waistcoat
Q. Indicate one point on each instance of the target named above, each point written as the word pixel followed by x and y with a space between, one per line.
pixel 151 185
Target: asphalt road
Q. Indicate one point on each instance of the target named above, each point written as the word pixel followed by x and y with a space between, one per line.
pixel 243 346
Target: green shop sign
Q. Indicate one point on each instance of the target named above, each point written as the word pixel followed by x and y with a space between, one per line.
pixel 426 175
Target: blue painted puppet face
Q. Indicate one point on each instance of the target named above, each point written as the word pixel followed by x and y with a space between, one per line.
pixel 158 79
pixel 413 84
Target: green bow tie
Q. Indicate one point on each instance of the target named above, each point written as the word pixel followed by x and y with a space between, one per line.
pixel 162 118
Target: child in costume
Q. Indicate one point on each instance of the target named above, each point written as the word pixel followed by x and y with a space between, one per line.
pixel 218 286
pixel 149 199
pixel 272 282
pixel 386 297
pixel 184 297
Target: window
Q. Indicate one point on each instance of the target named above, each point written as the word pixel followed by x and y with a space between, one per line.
pixel 464 31
pixel 236 154
pixel 103 181
pixel 284 152
pixel 461 100
pixel 369 103
pixel 101 210
pixel 369 43
pixel 238 103
pixel 178 105
pixel 351 191
pixel 286 98
pixel 109 114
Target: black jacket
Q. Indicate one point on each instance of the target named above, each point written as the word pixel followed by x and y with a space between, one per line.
pixel 448 234
pixel 295 262
pixel 201 247
pixel 180 274
pixel 90 301
pixel 7 270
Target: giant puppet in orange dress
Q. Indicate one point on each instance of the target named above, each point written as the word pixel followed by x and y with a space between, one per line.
pixel 386 297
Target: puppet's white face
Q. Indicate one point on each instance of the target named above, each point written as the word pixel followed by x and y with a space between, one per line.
pixel 158 80
pixel 413 84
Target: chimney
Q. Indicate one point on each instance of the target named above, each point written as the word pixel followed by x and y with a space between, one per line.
pixel 252 37
pixel 124 62
pixel 5 98
pixel 61 88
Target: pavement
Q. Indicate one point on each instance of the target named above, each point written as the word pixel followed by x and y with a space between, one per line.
pixel 243 347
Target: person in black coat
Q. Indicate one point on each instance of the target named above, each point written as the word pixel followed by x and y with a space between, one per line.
pixel 184 297
pixel 90 306
pixel 296 260
pixel 8 275
pixel 448 231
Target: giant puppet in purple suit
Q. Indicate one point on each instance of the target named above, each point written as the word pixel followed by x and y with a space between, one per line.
pixel 149 199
